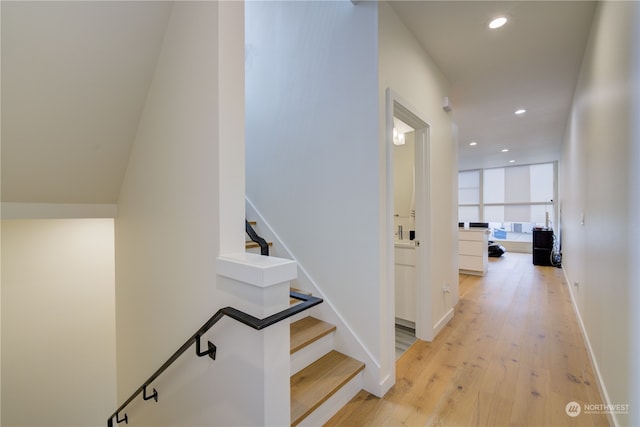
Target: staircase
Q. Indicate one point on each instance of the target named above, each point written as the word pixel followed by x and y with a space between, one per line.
pixel 323 380
pixel 254 247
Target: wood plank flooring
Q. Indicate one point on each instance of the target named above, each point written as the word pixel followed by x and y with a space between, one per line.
pixel 513 355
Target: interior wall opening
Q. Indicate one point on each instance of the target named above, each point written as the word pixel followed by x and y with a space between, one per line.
pixel 410 212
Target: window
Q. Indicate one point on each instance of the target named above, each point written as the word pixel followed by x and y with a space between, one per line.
pixel 469 196
pixel 512 200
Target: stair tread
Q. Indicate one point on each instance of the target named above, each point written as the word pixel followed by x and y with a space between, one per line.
pixel 316 383
pixel 293 301
pixel 251 244
pixel 307 330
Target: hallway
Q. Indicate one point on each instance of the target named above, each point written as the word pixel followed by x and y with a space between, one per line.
pixel 512 355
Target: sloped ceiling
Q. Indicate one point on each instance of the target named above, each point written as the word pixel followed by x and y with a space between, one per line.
pixel 74 81
pixel 75 76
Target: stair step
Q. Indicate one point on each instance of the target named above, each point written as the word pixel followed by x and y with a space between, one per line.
pixel 307 330
pixel 249 244
pixel 316 383
pixel 293 301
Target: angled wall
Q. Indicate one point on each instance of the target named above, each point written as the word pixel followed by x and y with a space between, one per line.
pixel 174 202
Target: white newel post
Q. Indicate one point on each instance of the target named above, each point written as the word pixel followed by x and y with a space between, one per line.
pixel 259 285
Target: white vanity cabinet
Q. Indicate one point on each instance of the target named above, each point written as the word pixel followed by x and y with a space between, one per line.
pixel 473 250
pixel 405 278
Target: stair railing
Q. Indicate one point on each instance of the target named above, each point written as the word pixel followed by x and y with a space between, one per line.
pixel 264 246
pixel 308 301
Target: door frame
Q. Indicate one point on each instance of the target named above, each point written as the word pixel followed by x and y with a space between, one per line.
pixel 398 107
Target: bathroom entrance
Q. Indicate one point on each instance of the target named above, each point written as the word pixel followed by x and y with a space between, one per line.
pixel 409 206
pixel 404 210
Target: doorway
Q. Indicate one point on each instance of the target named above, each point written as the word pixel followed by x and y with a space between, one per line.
pixel 409 231
pixel 404 196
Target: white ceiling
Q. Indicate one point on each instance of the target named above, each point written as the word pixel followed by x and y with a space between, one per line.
pixel 75 77
pixel 532 62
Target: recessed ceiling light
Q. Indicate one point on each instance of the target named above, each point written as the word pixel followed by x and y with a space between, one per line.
pixel 520 111
pixel 512 161
pixel 472 143
pixel 504 150
pixel 497 22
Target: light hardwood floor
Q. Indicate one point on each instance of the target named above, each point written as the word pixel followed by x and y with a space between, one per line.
pixel 513 355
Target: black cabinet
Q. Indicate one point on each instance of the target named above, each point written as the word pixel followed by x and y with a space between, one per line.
pixel 542 247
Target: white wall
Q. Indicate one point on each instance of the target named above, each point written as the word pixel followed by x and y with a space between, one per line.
pixel 58 322
pixel 634 227
pixel 316 152
pixel 312 145
pixel 175 198
pixel 600 155
pixel 408 70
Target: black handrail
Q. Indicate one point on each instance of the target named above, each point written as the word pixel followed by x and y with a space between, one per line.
pixel 264 246
pixel 308 301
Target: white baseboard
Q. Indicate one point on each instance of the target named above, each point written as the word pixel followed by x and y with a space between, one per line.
pixel 613 420
pixel 347 341
pixel 442 322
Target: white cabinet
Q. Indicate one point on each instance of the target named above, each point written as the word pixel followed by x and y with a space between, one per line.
pixel 405 286
pixel 473 250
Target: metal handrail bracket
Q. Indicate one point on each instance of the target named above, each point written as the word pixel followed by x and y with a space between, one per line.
pixel 308 301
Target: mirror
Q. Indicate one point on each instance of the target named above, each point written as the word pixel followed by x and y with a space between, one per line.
pixel 403 178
